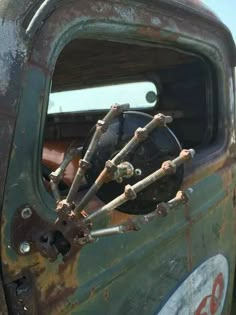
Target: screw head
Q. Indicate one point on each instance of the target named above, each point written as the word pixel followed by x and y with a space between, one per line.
pixel 24 247
pixel 26 213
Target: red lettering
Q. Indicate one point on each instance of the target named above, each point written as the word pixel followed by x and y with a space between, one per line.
pixel 217 292
pixel 214 299
pixel 202 306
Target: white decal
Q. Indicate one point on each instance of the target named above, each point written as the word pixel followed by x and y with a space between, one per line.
pixel 203 292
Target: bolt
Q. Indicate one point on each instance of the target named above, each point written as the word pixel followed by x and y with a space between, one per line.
pixel 26 213
pixel 138 172
pixel 24 247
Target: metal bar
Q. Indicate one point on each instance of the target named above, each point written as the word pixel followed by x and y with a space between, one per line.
pixel 130 192
pixel 140 135
pixel 84 164
pixel 134 224
pixel 106 232
pixel 55 191
pixel 55 176
pixel 68 158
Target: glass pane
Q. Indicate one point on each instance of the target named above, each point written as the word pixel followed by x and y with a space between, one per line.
pixel 137 94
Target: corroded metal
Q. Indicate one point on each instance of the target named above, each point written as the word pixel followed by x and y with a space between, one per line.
pixel 207 225
pixel 56 176
pixel 130 192
pixel 106 175
pixel 135 224
pixel 84 163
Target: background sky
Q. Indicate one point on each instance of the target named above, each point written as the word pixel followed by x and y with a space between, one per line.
pixel 226 11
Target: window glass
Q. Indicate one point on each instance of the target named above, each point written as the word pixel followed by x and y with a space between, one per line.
pixel 137 94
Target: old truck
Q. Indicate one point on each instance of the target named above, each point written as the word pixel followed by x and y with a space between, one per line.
pixel 117 169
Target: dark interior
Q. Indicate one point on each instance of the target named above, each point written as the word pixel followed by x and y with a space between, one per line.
pixel 183 80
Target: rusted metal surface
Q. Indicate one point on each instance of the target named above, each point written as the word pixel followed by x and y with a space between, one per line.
pixel 63 287
pixel 85 163
pixel 135 224
pixel 3 307
pixel 168 167
pixel 108 172
pixel 53 155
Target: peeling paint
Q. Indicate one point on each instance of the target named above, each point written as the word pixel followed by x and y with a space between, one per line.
pixel 11 47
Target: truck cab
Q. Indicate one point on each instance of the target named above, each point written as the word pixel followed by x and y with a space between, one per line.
pixel 118 170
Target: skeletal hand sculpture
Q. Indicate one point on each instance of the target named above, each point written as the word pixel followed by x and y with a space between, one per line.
pixel 115 169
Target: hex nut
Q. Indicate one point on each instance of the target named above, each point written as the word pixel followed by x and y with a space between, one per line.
pixel 26 213
pixel 111 167
pixel 130 193
pixel 141 134
pixel 84 165
pixel 168 167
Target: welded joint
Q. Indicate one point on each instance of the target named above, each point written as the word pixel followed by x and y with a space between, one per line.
pixel 102 125
pixel 182 197
pixel 119 109
pixel 130 193
pixel 161 120
pixel 55 190
pixel 187 155
pixel 141 134
pixel 168 167
pixel 84 165
pixel 111 167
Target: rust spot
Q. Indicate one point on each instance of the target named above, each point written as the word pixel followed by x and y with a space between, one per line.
pixel 92 292
pixel 106 295
pixel 117 217
pixel 188 238
pixel 56 297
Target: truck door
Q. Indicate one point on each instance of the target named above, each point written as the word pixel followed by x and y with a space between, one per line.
pixel 166 245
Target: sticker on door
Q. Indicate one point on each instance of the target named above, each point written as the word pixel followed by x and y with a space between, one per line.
pixel 202 292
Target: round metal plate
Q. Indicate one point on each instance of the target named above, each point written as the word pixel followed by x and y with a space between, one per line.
pixel 160 146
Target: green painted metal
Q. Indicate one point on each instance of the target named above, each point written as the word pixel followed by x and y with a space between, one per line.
pixel 134 273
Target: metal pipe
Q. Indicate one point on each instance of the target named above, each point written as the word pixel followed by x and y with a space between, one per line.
pixel 134 224
pixel 106 232
pixel 84 164
pixel 55 176
pixel 55 191
pixel 130 192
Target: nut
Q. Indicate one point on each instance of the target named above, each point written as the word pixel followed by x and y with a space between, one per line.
pixel 110 166
pixel 141 134
pixel 187 154
pixel 162 120
pixel 168 167
pixel 26 213
pixel 84 164
pixel 130 193
pixel 162 209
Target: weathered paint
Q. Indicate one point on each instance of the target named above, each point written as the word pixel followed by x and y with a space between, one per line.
pixel 203 291
pixel 143 268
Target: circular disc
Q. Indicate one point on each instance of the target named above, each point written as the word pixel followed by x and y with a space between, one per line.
pixel 161 145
